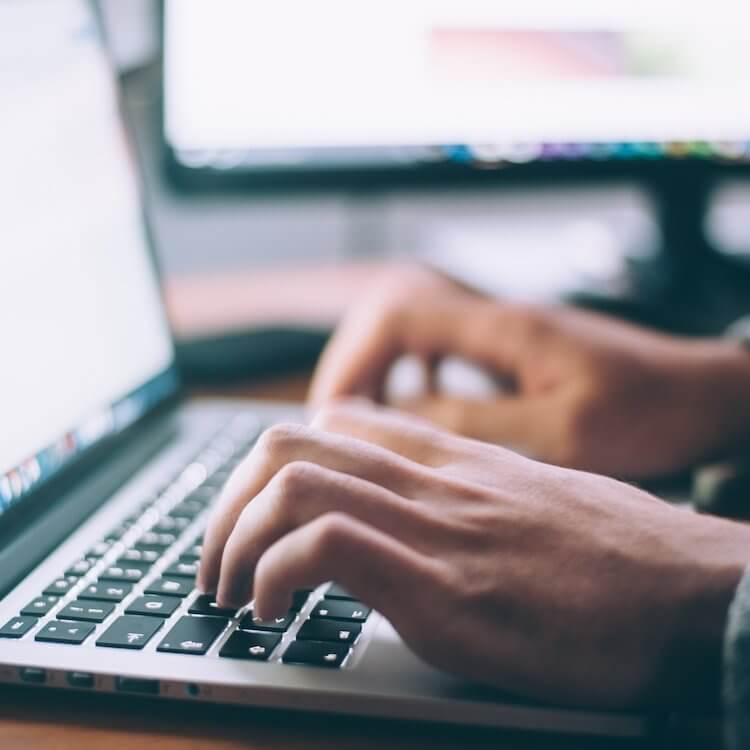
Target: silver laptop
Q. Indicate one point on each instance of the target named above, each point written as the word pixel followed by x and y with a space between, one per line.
pixel 106 478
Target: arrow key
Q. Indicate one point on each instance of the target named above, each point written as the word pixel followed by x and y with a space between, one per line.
pixel 56 631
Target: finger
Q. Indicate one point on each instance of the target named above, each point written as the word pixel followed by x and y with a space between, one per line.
pixel 525 424
pixel 283 444
pixel 365 346
pixel 373 566
pixel 406 434
pixel 297 495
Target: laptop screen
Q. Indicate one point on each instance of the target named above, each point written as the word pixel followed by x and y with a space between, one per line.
pixel 85 349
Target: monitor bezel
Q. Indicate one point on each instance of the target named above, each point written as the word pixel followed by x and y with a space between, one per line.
pixel 425 176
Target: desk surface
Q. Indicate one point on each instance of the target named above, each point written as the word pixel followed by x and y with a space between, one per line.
pixel 43 719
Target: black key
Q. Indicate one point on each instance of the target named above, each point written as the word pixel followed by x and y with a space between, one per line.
pixel 118 573
pixel 129 631
pixel 40 606
pixel 154 606
pixel 80 568
pixel 149 556
pixel 316 653
pixel 117 533
pixel 328 630
pixel 17 627
pixel 195 551
pixel 205 604
pixel 106 592
pixel 299 599
pixel 155 540
pixel 171 587
pixel 89 611
pixel 182 570
pixel 99 549
pixel 193 635
pixel 277 625
pixel 140 564
pixel 65 632
pixel 335 591
pixel 170 525
pixel 187 509
pixel 244 645
pixel 60 586
pixel 331 609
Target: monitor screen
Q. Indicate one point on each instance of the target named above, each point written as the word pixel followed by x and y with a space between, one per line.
pixel 290 84
pixel 85 345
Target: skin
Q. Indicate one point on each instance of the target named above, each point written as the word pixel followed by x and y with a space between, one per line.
pixel 552 583
pixel 581 390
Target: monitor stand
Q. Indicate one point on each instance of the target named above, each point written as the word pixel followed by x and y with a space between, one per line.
pixel 689 286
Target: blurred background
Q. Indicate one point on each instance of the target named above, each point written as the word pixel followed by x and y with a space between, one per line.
pixel 592 152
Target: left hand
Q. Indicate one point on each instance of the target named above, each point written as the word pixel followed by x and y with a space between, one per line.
pixel 547 582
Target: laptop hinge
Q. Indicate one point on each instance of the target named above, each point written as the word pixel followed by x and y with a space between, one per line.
pixel 36 540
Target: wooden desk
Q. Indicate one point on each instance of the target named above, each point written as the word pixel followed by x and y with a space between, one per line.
pixel 44 719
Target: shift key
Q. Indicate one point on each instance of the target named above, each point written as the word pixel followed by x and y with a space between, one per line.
pixel 193 635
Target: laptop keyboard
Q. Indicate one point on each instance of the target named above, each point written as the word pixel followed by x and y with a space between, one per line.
pixel 137 584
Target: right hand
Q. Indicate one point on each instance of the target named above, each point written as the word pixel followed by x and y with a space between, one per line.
pixel 588 391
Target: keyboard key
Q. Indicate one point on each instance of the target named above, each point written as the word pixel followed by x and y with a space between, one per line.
pixel 116 534
pixel 118 573
pixel 60 586
pixel 40 606
pixel 107 592
pixel 80 568
pixel 155 540
pixel 130 631
pixel 193 553
pixel 335 591
pixel 330 631
pixel 182 570
pixel 244 645
pixel 99 549
pixel 193 635
pixel 206 605
pixel 17 627
pixel 171 587
pixel 123 562
pixel 187 509
pixel 89 611
pixel 316 653
pixel 65 632
pixel 169 525
pixel 154 606
pixel 149 556
pixel 299 599
pixel 332 609
pixel 277 625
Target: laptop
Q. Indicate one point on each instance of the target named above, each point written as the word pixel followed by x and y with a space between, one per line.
pixel 107 475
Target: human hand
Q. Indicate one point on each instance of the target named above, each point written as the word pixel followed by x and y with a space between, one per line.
pixel 586 391
pixel 546 582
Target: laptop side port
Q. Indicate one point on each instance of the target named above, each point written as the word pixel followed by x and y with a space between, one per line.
pixel 33 675
pixel 80 679
pixel 136 685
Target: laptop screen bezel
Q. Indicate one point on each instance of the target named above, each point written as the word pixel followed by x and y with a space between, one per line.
pixel 19 516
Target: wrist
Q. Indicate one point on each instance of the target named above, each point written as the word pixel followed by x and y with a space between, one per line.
pixel 719 554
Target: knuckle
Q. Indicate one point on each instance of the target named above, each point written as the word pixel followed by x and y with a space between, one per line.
pixel 332 531
pixel 295 479
pixel 279 439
